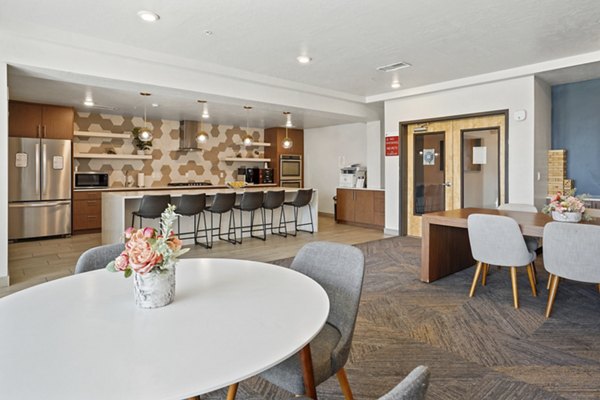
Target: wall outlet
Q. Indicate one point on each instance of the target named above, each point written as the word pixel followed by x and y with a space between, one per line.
pixel 221 174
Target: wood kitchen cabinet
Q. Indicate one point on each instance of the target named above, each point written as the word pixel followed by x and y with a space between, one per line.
pixel 40 120
pixel 87 211
pixel 274 136
pixel 361 207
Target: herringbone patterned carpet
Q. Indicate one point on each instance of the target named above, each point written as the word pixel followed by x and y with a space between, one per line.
pixel 477 348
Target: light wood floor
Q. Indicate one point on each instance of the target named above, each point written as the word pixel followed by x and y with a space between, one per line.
pixel 34 262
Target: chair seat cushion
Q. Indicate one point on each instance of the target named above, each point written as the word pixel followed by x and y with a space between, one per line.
pixel 288 374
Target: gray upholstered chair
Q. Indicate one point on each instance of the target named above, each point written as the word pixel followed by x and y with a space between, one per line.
pixel 571 251
pixel 151 206
pixel 98 257
pixel 497 240
pixel 413 387
pixel 302 199
pixel 532 243
pixel 339 269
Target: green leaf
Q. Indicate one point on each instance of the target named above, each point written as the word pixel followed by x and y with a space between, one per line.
pixel 128 272
pixel 111 266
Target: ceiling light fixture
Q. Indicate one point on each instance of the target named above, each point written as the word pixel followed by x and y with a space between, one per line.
pixel 248 140
pixel 394 66
pixel 88 103
pixel 287 143
pixel 148 16
pixel 202 136
pixel 205 113
pixel 304 59
pixel 154 105
pixel 396 85
pixel 145 133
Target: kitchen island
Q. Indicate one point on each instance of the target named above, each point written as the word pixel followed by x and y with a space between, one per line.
pixel 118 206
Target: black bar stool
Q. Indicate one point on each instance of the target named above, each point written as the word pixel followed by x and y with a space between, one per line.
pixel 222 203
pixel 250 202
pixel 192 205
pixel 151 207
pixel 302 199
pixel 273 200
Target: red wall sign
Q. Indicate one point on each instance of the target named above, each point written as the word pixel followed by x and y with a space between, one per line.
pixel 391 145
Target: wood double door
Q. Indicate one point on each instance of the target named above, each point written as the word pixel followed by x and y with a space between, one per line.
pixel 443 156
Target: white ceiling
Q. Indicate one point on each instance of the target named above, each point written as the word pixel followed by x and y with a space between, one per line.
pixel 347 39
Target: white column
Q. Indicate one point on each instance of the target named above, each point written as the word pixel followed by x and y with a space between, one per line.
pixel 3 175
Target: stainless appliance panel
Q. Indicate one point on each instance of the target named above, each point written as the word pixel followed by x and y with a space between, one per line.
pixel 291 184
pixel 23 169
pixel 56 169
pixel 91 180
pixel 290 166
pixel 49 218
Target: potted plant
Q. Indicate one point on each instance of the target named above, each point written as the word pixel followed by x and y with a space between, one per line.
pixel 142 147
pixel 566 207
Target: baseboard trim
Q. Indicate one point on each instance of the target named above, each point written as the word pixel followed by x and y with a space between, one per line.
pixel 325 214
pixel 394 232
pixel 4 281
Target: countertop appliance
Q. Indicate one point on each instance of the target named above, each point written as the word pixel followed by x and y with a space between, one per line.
pixel 265 175
pixel 353 176
pixel 290 170
pixel 39 187
pixel 91 180
pixel 189 184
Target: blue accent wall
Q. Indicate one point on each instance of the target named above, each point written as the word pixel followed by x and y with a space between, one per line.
pixel 576 128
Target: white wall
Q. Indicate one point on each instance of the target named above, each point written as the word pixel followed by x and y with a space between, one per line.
pixel 323 148
pixel 543 139
pixel 514 94
pixel 3 175
pixel 374 155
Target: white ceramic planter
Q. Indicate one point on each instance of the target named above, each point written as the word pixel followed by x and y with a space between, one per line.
pixel 566 216
pixel 154 289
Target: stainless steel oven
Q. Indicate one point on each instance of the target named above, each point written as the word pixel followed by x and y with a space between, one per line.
pixel 290 168
pixel 91 180
pixel 291 183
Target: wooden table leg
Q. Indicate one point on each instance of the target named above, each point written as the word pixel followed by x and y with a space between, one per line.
pixel 307 372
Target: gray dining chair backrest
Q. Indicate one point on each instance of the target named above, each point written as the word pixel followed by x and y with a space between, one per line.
pixel 222 202
pixel 98 257
pixel 274 199
pixel 518 207
pixel 152 206
pixel 572 251
pixel 191 204
pixel 303 197
pixel 251 201
pixel 497 240
pixel 339 269
pixel 413 387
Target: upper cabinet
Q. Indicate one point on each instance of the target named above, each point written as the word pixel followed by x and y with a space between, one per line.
pixel 40 120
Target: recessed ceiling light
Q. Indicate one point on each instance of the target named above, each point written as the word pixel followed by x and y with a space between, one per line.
pixel 154 104
pixel 148 16
pixel 88 103
pixel 394 66
pixel 396 85
pixel 304 59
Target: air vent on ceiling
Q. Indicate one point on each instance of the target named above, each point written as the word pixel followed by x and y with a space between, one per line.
pixel 393 67
pixel 99 107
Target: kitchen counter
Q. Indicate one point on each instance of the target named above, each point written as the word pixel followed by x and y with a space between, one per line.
pixel 135 188
pixel 367 188
pixel 117 208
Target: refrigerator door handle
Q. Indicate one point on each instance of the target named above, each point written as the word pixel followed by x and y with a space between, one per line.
pixel 38 204
pixel 44 160
pixel 37 168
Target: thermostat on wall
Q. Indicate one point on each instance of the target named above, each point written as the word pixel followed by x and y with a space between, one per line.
pixel 520 115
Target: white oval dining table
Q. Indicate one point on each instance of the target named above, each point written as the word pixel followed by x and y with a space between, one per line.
pixel 82 337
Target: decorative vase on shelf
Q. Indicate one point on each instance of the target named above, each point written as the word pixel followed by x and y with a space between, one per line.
pixel 154 289
pixel 566 216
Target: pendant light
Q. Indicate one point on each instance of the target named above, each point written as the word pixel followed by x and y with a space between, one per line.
pixel 145 133
pixel 248 138
pixel 202 136
pixel 287 143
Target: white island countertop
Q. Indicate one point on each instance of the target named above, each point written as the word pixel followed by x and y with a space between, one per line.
pixel 209 190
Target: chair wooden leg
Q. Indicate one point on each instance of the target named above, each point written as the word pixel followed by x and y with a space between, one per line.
pixel 474 284
pixel 531 275
pixel 232 391
pixel 534 272
pixel 513 278
pixel 194 398
pixel 308 373
pixel 484 274
pixel 599 288
pixel 549 281
pixel 344 385
pixel 552 294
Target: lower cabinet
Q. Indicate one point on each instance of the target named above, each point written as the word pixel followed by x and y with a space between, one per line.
pixel 87 211
pixel 361 207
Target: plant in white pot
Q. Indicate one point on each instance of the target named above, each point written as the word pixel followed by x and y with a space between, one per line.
pixel 141 140
pixel 566 207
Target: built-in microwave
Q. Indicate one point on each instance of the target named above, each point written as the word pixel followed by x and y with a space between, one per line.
pixel 290 167
pixel 91 180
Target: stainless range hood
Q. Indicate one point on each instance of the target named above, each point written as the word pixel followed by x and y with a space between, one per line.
pixel 188 131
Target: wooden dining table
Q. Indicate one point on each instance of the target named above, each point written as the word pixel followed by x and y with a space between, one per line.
pixel 445 247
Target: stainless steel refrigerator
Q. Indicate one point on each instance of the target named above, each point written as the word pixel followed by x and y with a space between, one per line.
pixel 39 187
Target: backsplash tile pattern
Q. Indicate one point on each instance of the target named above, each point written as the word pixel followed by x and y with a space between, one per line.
pixel 168 164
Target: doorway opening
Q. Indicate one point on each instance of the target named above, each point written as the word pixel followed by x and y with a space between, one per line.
pixel 481 168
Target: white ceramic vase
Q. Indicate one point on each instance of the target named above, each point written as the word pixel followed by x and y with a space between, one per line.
pixel 566 216
pixel 154 289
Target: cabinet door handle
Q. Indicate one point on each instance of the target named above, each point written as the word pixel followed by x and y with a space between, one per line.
pixel 92 201
pixel 44 130
pixel 39 131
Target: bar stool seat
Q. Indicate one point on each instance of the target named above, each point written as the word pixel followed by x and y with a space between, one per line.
pixel 250 202
pixel 221 204
pixel 274 200
pixel 302 199
pixel 192 205
pixel 151 207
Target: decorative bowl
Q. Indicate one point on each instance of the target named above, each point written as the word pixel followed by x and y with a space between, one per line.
pixel 566 216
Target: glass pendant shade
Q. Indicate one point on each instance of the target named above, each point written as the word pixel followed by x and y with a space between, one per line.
pixel 287 143
pixel 145 134
pixel 248 140
pixel 202 137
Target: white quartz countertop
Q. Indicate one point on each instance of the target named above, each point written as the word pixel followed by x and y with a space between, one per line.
pixel 136 194
pixel 145 189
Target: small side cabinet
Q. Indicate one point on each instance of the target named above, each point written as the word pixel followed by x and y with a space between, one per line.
pixel 362 207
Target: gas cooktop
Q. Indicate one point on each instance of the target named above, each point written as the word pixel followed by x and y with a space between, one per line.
pixel 189 184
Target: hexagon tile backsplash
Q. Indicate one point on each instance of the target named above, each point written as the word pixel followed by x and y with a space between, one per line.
pixel 168 164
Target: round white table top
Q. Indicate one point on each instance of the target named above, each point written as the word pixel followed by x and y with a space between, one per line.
pixel 82 337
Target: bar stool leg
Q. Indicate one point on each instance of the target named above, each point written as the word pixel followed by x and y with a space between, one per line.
pixel 241 226
pixel 282 215
pixel 205 230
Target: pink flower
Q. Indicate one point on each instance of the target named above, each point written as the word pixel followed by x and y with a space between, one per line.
pixel 129 232
pixel 174 243
pixel 122 261
pixel 148 232
pixel 142 257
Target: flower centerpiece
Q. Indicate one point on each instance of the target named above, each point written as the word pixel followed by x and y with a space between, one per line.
pixel 140 145
pixel 150 256
pixel 566 207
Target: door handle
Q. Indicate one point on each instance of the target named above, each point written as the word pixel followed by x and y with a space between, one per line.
pixel 44 130
pixel 44 204
pixel 37 168
pixel 44 172
pixel 446 184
